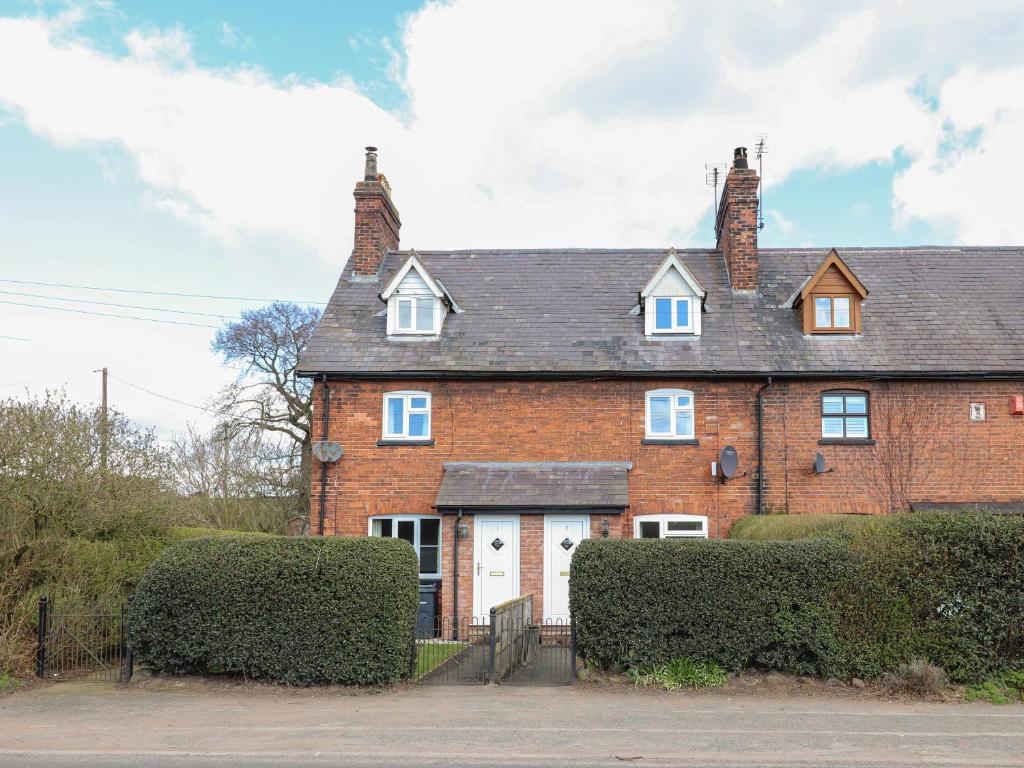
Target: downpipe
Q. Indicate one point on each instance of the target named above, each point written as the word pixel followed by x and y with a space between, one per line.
pixel 760 446
pixel 324 436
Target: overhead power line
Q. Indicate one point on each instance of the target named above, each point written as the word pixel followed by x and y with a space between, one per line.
pixel 155 293
pixel 15 338
pixel 162 397
pixel 109 314
pixel 122 306
pixel 48 378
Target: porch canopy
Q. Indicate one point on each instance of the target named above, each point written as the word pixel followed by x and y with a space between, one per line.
pixel 534 487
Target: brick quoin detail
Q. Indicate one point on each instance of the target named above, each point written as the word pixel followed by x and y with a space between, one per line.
pixel 737 224
pixel 376 223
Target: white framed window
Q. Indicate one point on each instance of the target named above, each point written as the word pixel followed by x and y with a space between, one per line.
pixel 670 527
pixel 416 314
pixel 421 531
pixel 669 414
pixel 673 314
pixel 406 416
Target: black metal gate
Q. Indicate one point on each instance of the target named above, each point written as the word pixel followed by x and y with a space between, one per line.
pixel 82 645
pixel 509 648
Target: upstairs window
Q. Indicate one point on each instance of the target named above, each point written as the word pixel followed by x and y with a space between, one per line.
pixel 672 300
pixel 673 314
pixel 844 416
pixel 669 414
pixel 670 527
pixel 423 533
pixel 832 313
pixel 416 314
pixel 407 416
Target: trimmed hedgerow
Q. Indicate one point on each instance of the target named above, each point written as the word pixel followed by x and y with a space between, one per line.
pixel 946 588
pixel 295 610
pixel 643 602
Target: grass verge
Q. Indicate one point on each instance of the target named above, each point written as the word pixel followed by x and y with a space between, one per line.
pixel 429 656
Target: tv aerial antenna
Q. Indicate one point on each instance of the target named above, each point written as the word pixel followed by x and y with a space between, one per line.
pixel 762 149
pixel 714 173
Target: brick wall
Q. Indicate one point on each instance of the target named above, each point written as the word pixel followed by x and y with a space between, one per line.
pixel 603 420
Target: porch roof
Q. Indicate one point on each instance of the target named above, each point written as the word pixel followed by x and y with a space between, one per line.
pixel 534 486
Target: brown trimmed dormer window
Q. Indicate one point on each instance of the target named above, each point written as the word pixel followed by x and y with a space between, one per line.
pixel 830 300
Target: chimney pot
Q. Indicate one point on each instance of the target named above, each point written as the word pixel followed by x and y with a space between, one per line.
pixel 739 157
pixel 370 172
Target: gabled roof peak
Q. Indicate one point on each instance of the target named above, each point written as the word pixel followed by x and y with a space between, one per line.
pixel 833 260
pixel 672 261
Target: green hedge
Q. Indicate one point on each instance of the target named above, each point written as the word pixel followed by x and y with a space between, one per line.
pixel 793 527
pixel 296 610
pixel 945 587
pixel 641 602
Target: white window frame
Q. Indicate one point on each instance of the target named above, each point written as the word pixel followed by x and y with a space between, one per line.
pixel 407 396
pixel 674 327
pixel 414 300
pixel 664 519
pixel 674 409
pixel 417 519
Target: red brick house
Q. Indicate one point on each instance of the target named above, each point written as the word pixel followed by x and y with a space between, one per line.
pixel 495 407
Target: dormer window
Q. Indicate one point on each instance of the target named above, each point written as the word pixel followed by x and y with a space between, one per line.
pixel 672 300
pixel 830 300
pixel 417 304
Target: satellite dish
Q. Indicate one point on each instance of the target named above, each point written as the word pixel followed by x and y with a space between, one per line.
pixel 819 464
pixel 327 451
pixel 729 462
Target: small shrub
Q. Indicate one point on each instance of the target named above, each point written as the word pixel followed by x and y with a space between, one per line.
pixel 8 683
pixel 680 673
pixel 296 610
pixel 918 677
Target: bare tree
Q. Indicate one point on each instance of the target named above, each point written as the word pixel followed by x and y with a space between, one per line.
pixel 268 396
pixel 245 482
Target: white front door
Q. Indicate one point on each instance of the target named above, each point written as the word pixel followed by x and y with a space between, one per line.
pixel 496 552
pixel 562 534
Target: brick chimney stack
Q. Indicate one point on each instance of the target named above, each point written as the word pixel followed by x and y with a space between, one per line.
pixel 736 223
pixel 377 222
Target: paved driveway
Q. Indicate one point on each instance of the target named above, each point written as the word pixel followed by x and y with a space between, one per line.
pixel 74 724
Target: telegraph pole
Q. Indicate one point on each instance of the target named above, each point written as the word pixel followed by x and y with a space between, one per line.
pixel 104 423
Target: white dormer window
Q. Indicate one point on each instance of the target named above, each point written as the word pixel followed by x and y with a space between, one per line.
pixel 672 300
pixel 416 302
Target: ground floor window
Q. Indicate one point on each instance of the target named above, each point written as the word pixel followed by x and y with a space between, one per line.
pixel 424 533
pixel 670 527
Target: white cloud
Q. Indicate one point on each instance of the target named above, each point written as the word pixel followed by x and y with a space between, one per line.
pixel 963 174
pixel 496 146
pixel 784 225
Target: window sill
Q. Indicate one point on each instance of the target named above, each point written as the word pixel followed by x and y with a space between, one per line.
pixel 393 443
pixel 846 441
pixel 668 441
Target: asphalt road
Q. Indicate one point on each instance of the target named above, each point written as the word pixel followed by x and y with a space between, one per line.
pixel 94 726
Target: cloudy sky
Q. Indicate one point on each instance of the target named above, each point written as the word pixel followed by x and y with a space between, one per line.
pixel 210 149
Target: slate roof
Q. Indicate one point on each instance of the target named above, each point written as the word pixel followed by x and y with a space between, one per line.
pixel 534 484
pixel 931 311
